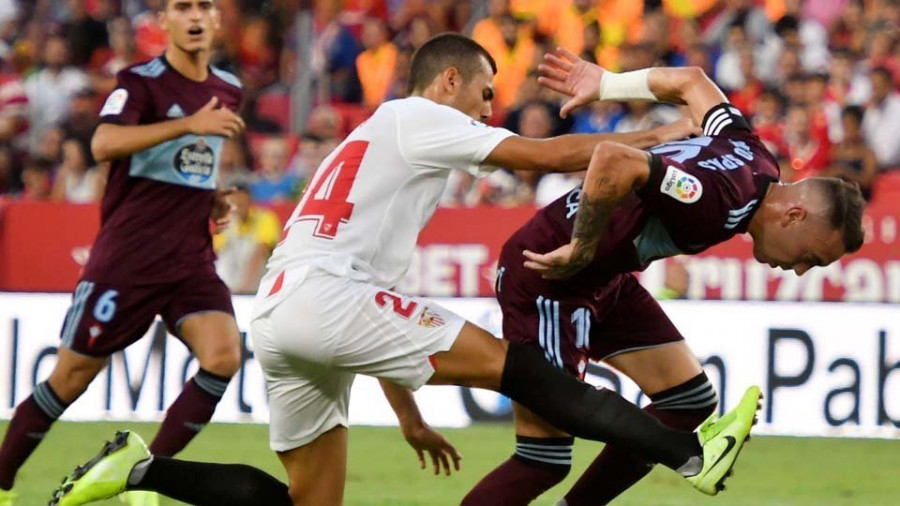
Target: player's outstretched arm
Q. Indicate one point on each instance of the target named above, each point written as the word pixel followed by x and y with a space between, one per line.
pixel 113 141
pixel 417 433
pixel 614 173
pixel 584 82
pixel 571 153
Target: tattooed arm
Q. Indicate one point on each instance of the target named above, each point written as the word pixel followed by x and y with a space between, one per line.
pixel 614 172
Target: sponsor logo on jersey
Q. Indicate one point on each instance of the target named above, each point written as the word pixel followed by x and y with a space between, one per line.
pixel 429 318
pixel 115 103
pixel 195 162
pixel 175 111
pixel 681 186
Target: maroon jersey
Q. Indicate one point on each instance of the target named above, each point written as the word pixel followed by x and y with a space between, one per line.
pixel 701 192
pixel 155 212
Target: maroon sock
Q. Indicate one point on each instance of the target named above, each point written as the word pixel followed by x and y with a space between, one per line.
pixel 538 465
pixel 615 470
pixel 189 413
pixel 29 424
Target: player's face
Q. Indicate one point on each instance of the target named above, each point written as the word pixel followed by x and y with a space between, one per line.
pixel 475 95
pixel 191 24
pixel 799 242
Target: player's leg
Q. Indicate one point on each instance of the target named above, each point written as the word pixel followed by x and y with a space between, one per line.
pixel 201 315
pixel 125 464
pixel 542 459
pixel 682 398
pixel 317 471
pixel 521 372
pixel 637 338
pixel 34 416
pixel 102 319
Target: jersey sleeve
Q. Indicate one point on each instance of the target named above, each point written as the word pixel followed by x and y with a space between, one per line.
pixel 723 118
pixel 433 136
pixel 128 102
pixel 685 194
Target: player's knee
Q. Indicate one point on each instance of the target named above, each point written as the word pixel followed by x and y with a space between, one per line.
pixel 224 361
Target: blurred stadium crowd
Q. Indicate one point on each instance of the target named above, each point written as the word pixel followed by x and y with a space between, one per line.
pixel 819 79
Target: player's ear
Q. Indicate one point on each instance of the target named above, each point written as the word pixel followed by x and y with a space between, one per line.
pixel 793 216
pixel 161 20
pixel 451 79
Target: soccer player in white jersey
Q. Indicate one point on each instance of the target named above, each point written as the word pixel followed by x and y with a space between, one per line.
pixel 326 310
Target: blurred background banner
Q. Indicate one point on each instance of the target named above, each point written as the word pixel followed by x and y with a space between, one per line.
pixel 826 369
pixel 43 245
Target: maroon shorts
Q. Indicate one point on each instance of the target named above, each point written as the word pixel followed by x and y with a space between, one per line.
pixel 104 319
pixel 573 326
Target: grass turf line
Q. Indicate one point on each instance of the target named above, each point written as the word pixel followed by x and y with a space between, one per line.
pixel 383 470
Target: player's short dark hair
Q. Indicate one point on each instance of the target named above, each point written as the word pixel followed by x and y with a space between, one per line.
pixel 845 209
pixel 442 52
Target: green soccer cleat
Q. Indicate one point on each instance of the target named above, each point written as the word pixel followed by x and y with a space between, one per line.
pixel 104 476
pixel 722 441
pixel 7 497
pixel 139 498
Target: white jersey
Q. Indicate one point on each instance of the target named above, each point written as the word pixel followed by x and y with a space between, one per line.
pixel 363 210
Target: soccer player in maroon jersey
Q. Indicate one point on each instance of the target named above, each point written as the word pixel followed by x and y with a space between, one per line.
pixel 163 128
pixel 451 81
pixel 580 302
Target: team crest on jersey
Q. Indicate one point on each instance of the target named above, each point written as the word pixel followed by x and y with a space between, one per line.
pixel 195 162
pixel 430 319
pixel 681 186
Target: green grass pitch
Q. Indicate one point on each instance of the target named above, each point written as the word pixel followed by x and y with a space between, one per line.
pixel 383 470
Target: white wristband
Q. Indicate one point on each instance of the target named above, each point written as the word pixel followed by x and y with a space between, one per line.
pixel 626 86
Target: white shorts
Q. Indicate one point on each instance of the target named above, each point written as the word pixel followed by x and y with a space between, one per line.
pixel 324 331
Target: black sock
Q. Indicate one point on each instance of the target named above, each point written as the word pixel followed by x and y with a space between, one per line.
pixel 586 412
pixel 206 484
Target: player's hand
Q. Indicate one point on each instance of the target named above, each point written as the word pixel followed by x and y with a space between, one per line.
pixel 676 131
pixel 424 440
pixel 561 263
pixel 565 72
pixel 222 209
pixel 210 120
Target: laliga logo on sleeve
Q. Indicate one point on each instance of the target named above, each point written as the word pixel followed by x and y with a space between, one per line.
pixel 681 186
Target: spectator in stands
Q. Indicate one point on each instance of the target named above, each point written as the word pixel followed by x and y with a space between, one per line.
pixel 82 118
pixel 36 180
pixel 852 159
pixel 745 97
pixel 13 112
pixel 233 166
pixel 50 89
pixel 9 178
pixel 847 85
pixel 334 54
pixel 375 65
pixel 487 31
pixel 273 183
pixel 325 123
pixel 50 144
pixel 882 119
pixel 245 245
pixel 646 115
pixel 743 12
pixel 84 34
pixel 121 53
pixel 808 154
pixel 767 121
pixel 75 180
pixel 515 58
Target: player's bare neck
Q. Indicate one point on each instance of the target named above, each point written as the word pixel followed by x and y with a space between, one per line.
pixel 193 66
